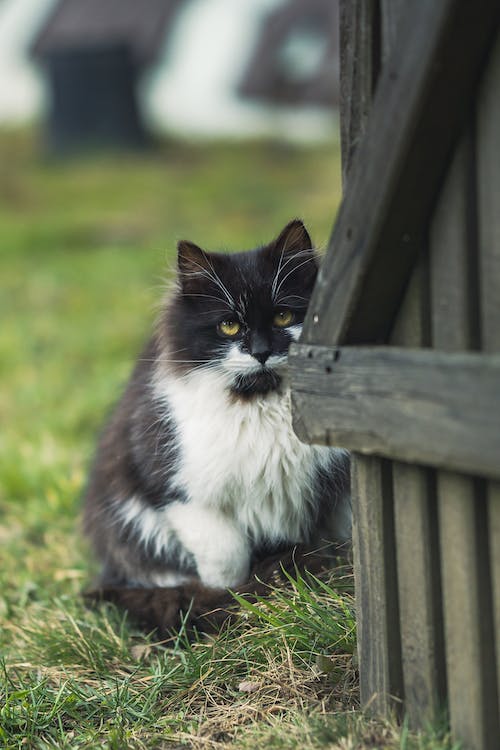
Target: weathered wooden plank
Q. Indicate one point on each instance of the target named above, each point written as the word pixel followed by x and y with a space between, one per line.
pixel 415 509
pixel 415 405
pixel 461 502
pixel 488 165
pixel 417 543
pixel 390 11
pixel 412 325
pixel 488 176
pixel 454 292
pixel 422 96
pixel 493 495
pixel 376 585
pixel 467 613
pixel 421 624
pixel 358 66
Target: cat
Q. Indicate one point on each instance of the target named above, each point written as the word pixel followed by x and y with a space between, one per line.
pixel 199 478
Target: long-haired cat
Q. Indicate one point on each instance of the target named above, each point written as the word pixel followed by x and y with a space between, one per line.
pixel 199 476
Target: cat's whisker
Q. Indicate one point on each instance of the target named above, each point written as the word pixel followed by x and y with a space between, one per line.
pixel 293 270
pixel 163 361
pixel 298 254
pixel 276 275
pixel 281 266
pixel 291 257
pixel 177 351
pixel 216 280
pixel 152 426
pixel 221 311
pixel 287 299
pixel 205 296
pixel 222 286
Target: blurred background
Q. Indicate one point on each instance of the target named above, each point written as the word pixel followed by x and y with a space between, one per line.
pixel 126 125
pixel 121 70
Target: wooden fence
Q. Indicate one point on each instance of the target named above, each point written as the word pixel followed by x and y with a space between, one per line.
pixel 400 355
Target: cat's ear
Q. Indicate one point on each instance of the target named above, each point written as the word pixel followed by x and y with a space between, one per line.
pixel 293 253
pixel 293 249
pixel 294 238
pixel 194 266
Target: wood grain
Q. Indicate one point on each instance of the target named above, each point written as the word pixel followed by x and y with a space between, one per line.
pixel 488 176
pixel 376 585
pixel 416 405
pixel 461 500
pixel 417 542
pixel 422 96
pixel 358 66
pixel 390 12
pixel 373 533
pixel 417 546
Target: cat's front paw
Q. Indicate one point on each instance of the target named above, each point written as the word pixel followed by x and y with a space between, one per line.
pixel 226 571
pixel 220 548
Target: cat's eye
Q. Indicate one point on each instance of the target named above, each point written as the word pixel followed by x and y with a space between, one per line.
pixel 229 327
pixel 283 319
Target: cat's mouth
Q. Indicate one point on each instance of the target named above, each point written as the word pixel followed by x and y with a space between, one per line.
pixel 256 383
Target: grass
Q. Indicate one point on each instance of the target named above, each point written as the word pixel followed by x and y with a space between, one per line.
pixel 84 250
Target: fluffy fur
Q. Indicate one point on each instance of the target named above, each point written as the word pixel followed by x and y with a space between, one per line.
pixel 199 476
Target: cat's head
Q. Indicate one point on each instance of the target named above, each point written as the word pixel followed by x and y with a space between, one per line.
pixel 237 314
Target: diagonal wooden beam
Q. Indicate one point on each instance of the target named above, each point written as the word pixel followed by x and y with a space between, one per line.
pixel 424 94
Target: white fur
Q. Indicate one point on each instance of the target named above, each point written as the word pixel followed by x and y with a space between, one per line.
pixel 246 475
pixel 238 362
pixel 149 523
pixel 166 580
pixel 295 331
pixel 155 530
pixel 220 547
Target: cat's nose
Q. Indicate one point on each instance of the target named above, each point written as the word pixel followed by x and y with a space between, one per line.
pixel 261 357
pixel 259 346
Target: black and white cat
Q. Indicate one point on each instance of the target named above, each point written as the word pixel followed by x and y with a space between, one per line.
pixel 199 475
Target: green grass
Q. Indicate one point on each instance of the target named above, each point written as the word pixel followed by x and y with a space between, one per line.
pixel 85 247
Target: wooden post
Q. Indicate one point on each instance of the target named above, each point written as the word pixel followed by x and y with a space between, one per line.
pixel 462 521
pixel 376 585
pixel 358 63
pixel 415 511
pixel 417 542
pixel 488 211
pixel 414 262
pixel 373 533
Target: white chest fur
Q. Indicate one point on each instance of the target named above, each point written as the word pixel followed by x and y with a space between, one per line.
pixel 242 457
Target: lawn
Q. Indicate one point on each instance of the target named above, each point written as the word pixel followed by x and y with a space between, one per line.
pixel 85 249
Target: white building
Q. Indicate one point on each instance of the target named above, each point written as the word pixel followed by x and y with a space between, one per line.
pixel 191 90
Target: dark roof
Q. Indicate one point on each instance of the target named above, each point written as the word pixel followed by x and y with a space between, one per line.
pixel 270 76
pixel 141 24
